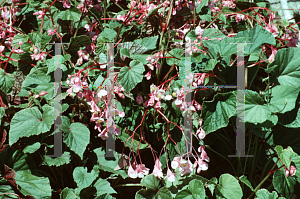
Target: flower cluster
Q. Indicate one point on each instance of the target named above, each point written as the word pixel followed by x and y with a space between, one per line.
pixel 291 172
pixel 98 116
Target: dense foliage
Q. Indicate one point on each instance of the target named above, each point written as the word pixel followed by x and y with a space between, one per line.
pixel 154 157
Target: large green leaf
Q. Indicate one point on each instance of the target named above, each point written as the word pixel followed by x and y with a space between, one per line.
pixel 130 76
pixel 265 194
pixel 229 187
pixel 16 159
pixel 284 97
pixel 6 81
pixel 286 67
pixel 153 189
pixel 67 193
pixel 216 113
pixel 103 187
pixel 257 36
pixel 79 41
pixel 291 118
pixel 30 121
pixel 6 189
pixel 256 111
pixel 76 136
pixel 284 185
pixel 58 161
pixel 72 13
pixel 82 178
pixel 107 164
pixel 197 189
pixel 38 81
pixel 39 187
pixel 148 42
pixel 107 35
pixel 32 148
pixel 227 47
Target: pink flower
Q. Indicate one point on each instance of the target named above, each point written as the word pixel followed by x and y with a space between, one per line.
pixel 170 176
pixel 139 99
pixel 272 56
pixel 292 170
pixel 199 30
pixel 148 75
pixel 201 134
pixel 103 134
pixel 131 172
pixel 287 172
pixel 272 29
pixel 197 105
pixel 239 17
pixel 292 43
pixel 2 49
pixel 66 4
pixel 17 51
pixel 40 13
pixel 121 113
pixel 121 17
pixel 185 167
pixel 157 171
pixel 141 170
pixel 204 156
pixel 202 166
pixel 151 100
pixel 175 162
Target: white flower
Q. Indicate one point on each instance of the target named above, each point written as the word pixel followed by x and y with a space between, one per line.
pixel 168 97
pixel 102 93
pixel 199 30
pixel 76 88
pixel 170 176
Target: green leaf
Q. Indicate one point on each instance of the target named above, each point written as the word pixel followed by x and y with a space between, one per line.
pixel 255 109
pixel 107 35
pixel 201 5
pixel 72 13
pixel 246 181
pixel 106 164
pixel 148 42
pixel 210 65
pixel 5 189
pixel 257 36
pixel 30 121
pixel 285 68
pixel 151 182
pixel 32 148
pixel 79 41
pixel 2 112
pixel 129 77
pixel 67 193
pixel 184 194
pixel 229 187
pixel 197 189
pixel 38 187
pixel 59 160
pixel 284 185
pixel 6 81
pixel 227 47
pixel 216 113
pixel 16 159
pixel 284 97
pixel 76 136
pixel 290 119
pixel 178 53
pixel 103 187
pixel 39 81
pixel 265 194
pixel 82 178
pixel 52 66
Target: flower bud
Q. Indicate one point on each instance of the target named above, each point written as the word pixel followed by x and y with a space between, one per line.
pixel 43 93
